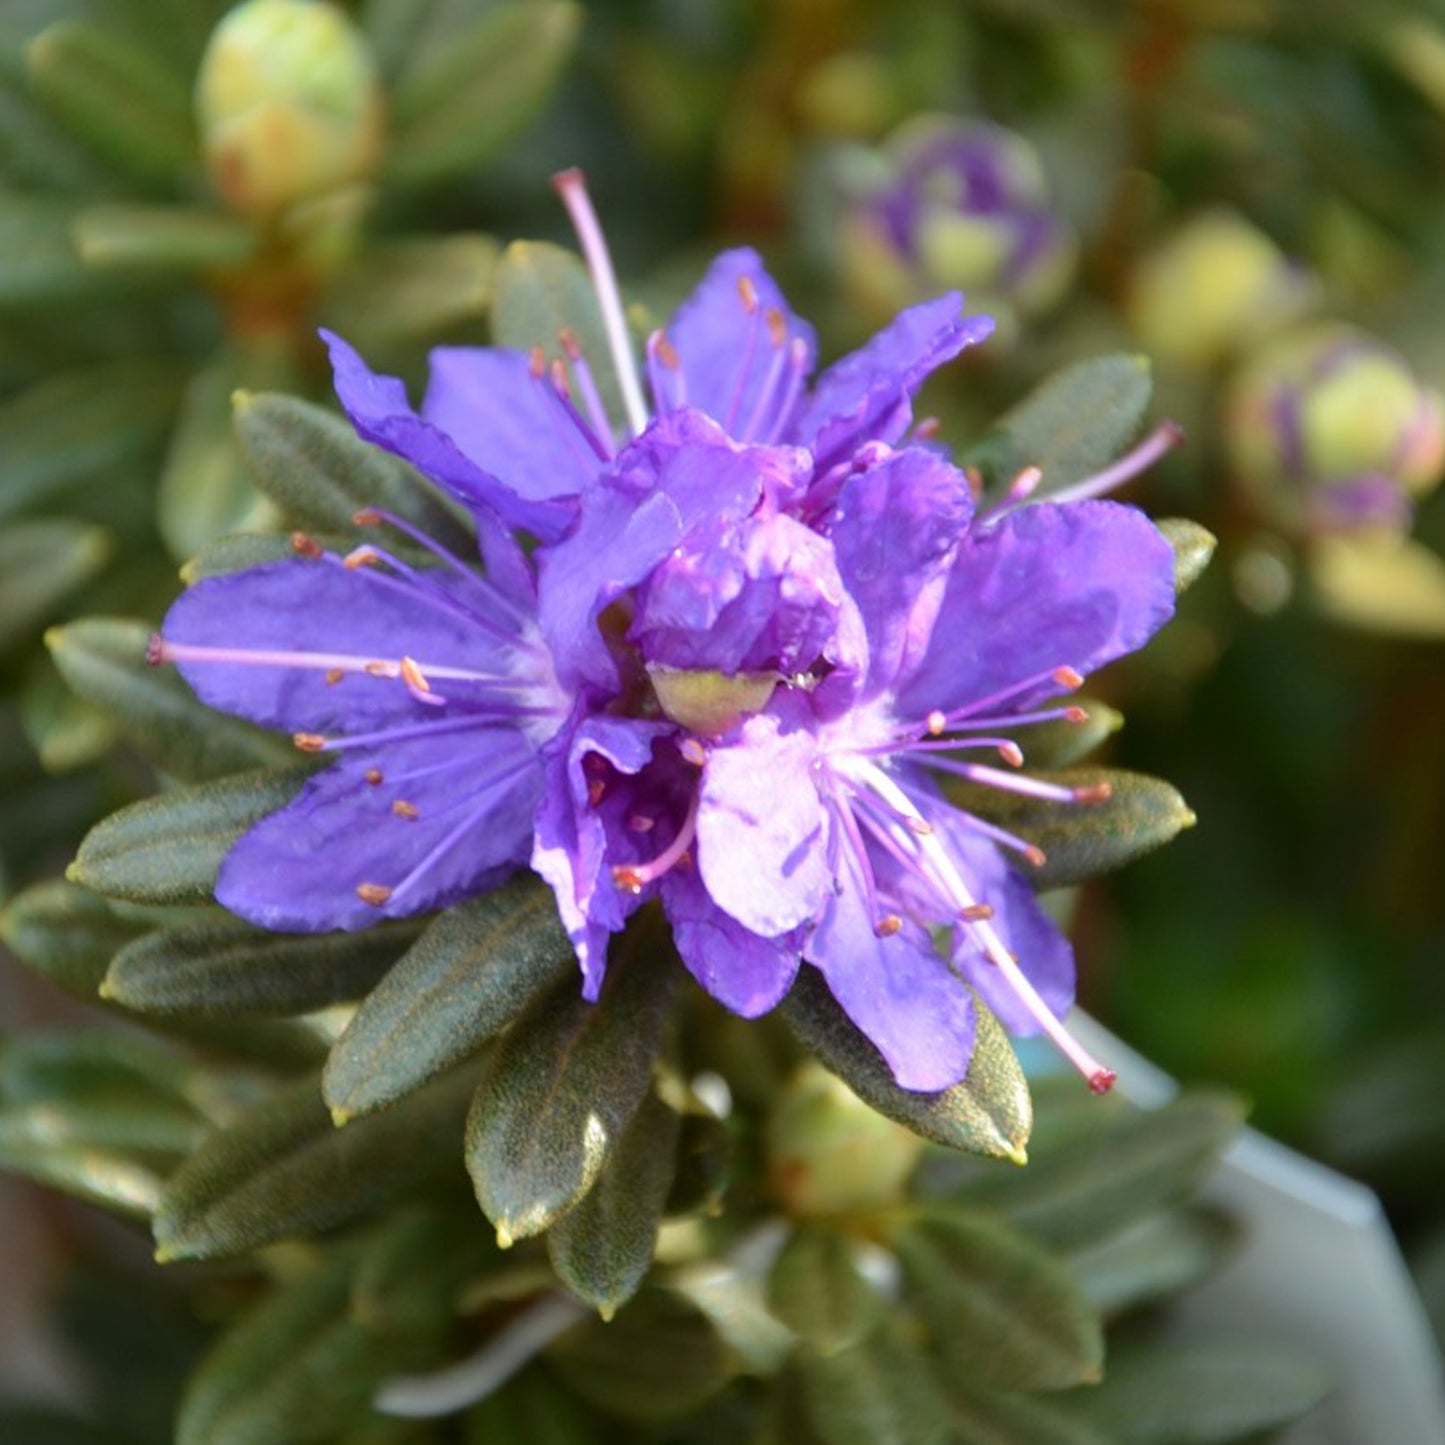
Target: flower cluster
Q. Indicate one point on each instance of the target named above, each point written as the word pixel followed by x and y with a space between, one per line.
pixel 759 630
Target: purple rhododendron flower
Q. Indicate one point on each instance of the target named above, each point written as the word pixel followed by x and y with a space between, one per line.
pixel 755 627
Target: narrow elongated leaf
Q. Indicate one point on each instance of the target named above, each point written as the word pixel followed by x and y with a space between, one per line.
pixel 111 93
pixel 461 102
pixel 104 661
pixel 1060 744
pixel 559 1092
pixel 603 1249
pixel 1075 423
pixel 1154 1258
pixel 41 562
pixel 167 849
pixel 1082 840
pixel 474 971
pixel 1193 547
pixel 988 1113
pixel 66 933
pixel 39 265
pixel 162 238
pixel 320 473
pixel 541 291
pixel 285 1169
pixel 252 549
pixel 228 968
pixel 1001 1309
pixel 816 1291
pixel 1081 1191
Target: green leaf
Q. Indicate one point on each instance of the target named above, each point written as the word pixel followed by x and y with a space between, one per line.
pixel 162 238
pixel 167 849
pixel 285 1169
pixel 39 265
pixel 602 1249
pixel 224 555
pixel 80 424
pixel 1211 1394
pixel 1001 1309
pixel 474 971
pixel 816 1291
pixel 1071 426
pixel 297 1368
pixel 1060 744
pixel 560 1090
pixel 1081 840
pixel 112 94
pixel 1193 548
pixel 457 105
pixel 1082 1190
pixel 531 1410
pixel 321 473
pixel 228 969
pixel 1154 1258
pixel 37 1425
pixel 986 1417
pixel 42 562
pixel 104 661
pixel 65 933
pixel 988 1113
pixel 541 291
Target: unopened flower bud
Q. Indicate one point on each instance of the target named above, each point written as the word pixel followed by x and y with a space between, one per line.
pixel 1329 430
pixel 289 105
pixel 1217 285
pixel 958 204
pixel 829 1153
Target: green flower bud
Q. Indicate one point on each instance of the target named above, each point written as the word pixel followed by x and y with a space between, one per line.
pixel 289 105
pixel 829 1153
pixel 1219 284
pixel 1328 429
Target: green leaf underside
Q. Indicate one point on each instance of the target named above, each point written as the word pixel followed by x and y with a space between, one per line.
pixel 41 563
pixel 1153 1258
pixel 66 933
pixel 988 1113
pixel 472 973
pixel 560 1089
pixel 167 849
pixel 815 1289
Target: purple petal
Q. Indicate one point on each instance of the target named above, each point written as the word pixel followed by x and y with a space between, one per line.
pixel 728 352
pixel 897 990
pixel 745 973
pixel 867 396
pixel 1044 587
pixel 760 829
pixel 448 819
pixel 895 531
pixel 382 414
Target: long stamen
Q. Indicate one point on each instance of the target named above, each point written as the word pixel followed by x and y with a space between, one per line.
pixel 665 374
pixel 587 385
pixel 1067 678
pixel 748 293
pixel 577 434
pixel 884 923
pixel 1162 440
pixel 465 722
pixel 930 847
pixel 571 185
pixel 634 877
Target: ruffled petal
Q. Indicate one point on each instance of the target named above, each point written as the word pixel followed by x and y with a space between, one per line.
pixel 867 396
pixel 729 352
pixel 382 414
pixel 745 973
pixel 446 820
pixel 761 836
pixel 1045 587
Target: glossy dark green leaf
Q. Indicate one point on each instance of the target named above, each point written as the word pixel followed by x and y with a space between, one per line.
pixel 321 473
pixel 474 971
pixel 458 104
pixel 285 1169
pixel 1074 424
pixel 1001 1309
pixel 541 291
pixel 103 659
pixel 1154 1258
pixel 560 1089
pixel 1203 1394
pixel 877 1391
pixel 80 423
pixel 1082 840
pixel 162 238
pixel 228 968
pixel 815 1289
pixel 988 1113
pixel 41 563
pixel 297 1368
pixel 66 933
pixel 39 265
pixel 1083 1190
pixel 1193 548
pixel 112 93
pixel 167 849
pixel 602 1249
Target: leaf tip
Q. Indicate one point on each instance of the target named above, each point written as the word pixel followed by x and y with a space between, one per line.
pixel 505 1238
pixel 341 1117
pixel 607 1313
pixel 242 400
